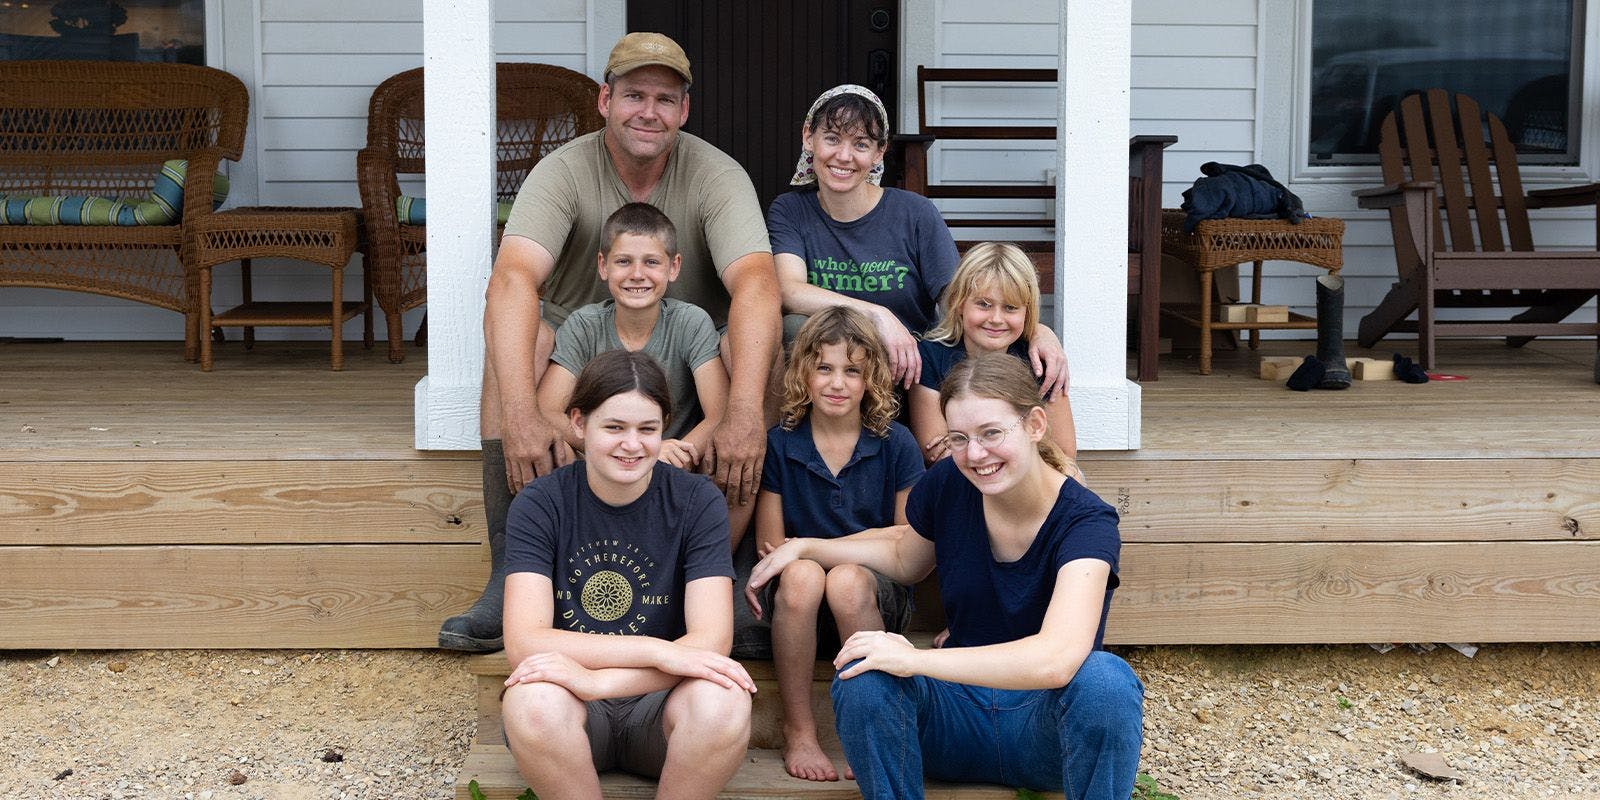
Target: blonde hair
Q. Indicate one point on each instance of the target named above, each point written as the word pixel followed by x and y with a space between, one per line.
pixel 1001 376
pixel 836 325
pixel 1002 265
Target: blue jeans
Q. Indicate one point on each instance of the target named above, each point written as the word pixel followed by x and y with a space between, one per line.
pixel 1082 739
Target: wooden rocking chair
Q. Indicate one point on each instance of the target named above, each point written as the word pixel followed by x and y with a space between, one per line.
pixel 1436 272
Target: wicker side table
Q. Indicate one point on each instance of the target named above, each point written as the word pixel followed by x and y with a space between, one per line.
pixel 1219 243
pixel 326 236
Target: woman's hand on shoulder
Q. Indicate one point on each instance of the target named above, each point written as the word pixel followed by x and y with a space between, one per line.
pixel 679 453
pixel 905 363
pixel 877 650
pixel 559 669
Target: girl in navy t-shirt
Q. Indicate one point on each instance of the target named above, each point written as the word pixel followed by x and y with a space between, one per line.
pixel 837 464
pixel 1021 694
pixel 617 620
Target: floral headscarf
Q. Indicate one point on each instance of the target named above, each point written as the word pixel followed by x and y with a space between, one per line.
pixel 804 173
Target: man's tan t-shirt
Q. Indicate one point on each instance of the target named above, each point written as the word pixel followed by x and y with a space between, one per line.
pixel 569 194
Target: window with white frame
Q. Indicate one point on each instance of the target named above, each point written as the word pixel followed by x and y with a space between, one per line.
pixel 104 30
pixel 1519 60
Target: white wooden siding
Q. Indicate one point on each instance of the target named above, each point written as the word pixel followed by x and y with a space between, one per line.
pixel 1197 73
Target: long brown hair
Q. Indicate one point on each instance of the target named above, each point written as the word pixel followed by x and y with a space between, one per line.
pixel 835 325
pixel 617 372
pixel 1002 376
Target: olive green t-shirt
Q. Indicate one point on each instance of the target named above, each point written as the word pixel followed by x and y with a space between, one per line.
pixel 569 194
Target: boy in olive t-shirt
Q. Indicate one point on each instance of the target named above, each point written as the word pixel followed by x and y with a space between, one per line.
pixel 638 259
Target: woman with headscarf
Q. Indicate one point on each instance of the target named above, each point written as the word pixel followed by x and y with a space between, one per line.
pixel 842 239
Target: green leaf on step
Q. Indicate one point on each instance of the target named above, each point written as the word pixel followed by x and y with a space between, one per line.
pixel 475 792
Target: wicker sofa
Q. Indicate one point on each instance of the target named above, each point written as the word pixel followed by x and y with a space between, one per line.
pixel 104 129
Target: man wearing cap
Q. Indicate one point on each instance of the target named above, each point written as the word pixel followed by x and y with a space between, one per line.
pixel 545 269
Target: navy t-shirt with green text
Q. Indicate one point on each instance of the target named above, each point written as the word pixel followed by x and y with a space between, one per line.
pixel 899 255
pixel 988 601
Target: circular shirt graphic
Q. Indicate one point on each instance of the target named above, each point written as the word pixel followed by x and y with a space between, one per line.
pixel 606 596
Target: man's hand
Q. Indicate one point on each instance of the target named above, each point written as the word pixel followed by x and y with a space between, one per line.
pixel 738 445
pixel 533 448
pixel 1049 362
pixel 558 669
pixel 905 362
pixel 936 448
pixel 879 650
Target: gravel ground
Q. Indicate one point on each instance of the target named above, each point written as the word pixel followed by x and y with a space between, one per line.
pixel 1516 721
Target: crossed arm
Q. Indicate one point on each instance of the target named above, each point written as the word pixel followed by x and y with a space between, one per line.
pixel 595 667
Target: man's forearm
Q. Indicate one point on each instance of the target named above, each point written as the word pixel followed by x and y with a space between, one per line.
pixel 510 324
pixel 754 332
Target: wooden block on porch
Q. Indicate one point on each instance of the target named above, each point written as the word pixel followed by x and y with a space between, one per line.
pixel 1260 313
pixel 1371 369
pixel 1252 312
pixel 1278 368
pixel 1234 312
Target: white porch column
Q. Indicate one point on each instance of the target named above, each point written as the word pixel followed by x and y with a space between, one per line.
pixel 1092 220
pixel 458 59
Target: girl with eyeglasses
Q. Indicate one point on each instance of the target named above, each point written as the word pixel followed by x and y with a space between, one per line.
pixel 1022 694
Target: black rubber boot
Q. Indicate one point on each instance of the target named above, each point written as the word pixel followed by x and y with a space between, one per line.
pixel 478 629
pixel 1330 333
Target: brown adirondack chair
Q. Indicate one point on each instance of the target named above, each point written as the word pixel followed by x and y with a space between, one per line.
pixel 1425 147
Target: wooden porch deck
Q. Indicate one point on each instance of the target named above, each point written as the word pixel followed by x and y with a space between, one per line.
pixel 273 503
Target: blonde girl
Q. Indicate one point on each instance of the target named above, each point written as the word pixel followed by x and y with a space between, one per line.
pixel 837 464
pixel 993 307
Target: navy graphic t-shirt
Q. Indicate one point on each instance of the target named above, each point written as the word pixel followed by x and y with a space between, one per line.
pixel 899 255
pixel 620 569
pixel 988 601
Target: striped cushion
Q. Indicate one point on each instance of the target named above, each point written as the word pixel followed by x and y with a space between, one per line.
pixel 414 210
pixel 163 206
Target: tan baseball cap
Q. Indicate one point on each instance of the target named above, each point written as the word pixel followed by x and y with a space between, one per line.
pixel 641 49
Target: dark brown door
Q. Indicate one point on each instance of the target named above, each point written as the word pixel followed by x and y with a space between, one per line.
pixel 758 64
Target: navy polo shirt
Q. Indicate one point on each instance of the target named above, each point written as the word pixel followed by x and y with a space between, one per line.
pixel 988 601
pixel 819 504
pixel 939 358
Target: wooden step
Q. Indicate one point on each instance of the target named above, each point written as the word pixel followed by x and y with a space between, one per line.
pixel 761 776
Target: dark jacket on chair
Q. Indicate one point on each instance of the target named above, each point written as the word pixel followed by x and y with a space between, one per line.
pixel 1231 191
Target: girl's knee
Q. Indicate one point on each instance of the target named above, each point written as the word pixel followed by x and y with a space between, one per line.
pixel 866 690
pixel 710 707
pixel 534 711
pixel 1106 692
pixel 851 586
pixel 801 585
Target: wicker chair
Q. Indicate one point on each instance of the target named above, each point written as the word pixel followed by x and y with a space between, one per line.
pixel 104 128
pixel 539 108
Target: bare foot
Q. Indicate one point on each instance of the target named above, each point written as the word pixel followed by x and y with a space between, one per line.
pixel 849 774
pixel 803 758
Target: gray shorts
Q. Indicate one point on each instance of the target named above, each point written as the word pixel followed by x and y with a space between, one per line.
pixel 626 733
pixel 894 608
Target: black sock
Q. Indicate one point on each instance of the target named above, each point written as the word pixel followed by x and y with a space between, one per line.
pixel 1407 370
pixel 1307 375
